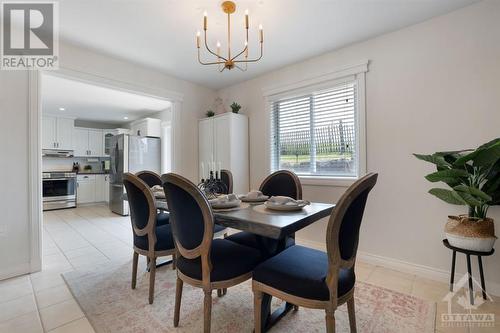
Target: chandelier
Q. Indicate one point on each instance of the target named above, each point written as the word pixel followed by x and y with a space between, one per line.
pixel 229 61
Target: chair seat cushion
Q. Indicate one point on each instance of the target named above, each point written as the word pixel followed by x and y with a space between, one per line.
pixel 301 271
pixel 266 245
pixel 218 228
pixel 229 260
pixel 162 219
pixel 164 239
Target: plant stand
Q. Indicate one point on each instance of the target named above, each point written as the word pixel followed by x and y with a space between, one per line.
pixel 468 253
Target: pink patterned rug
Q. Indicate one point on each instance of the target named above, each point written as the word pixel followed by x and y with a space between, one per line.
pixel 112 306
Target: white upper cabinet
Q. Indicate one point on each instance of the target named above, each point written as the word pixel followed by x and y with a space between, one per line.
pixel 146 127
pixel 224 139
pixel 49 133
pixel 88 142
pixel 65 128
pixel 95 143
pixel 57 133
pixel 81 142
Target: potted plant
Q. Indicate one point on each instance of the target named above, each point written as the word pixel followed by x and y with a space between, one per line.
pixel 474 180
pixel 235 107
pixel 210 113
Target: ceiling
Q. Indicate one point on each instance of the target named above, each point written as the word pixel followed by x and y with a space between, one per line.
pixel 161 33
pixel 94 103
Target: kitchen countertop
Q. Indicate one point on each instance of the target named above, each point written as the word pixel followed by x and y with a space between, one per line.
pixel 92 172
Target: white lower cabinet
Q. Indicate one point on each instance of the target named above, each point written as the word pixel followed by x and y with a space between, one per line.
pixel 92 188
pixel 86 189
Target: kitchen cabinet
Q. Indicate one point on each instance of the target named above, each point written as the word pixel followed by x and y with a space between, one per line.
pixel 92 188
pixel 86 189
pixel 102 188
pixel 57 133
pixel 146 127
pixel 224 139
pixel 88 142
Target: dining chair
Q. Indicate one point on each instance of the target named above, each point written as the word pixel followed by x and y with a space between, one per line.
pixel 202 261
pixel 226 177
pixel 150 239
pixel 281 182
pixel 315 279
pixel 152 179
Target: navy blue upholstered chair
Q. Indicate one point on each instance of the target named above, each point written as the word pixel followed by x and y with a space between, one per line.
pixel 284 183
pixel 314 279
pixel 150 239
pixel 226 177
pixel 152 179
pixel 202 261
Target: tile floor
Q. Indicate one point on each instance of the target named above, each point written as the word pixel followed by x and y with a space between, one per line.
pixel 88 236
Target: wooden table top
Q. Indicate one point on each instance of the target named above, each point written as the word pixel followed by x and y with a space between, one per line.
pixel 262 221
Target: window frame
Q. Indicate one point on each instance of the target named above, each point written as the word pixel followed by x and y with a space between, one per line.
pixel 352 73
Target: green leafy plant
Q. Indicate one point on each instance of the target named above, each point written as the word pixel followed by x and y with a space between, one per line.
pixel 235 107
pixel 210 113
pixel 472 175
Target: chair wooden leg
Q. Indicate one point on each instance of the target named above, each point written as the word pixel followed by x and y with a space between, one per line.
pixel 330 321
pixel 173 261
pixel 352 314
pixel 152 273
pixel 135 262
pixel 224 291
pixel 178 297
pixel 220 292
pixel 257 308
pixel 207 311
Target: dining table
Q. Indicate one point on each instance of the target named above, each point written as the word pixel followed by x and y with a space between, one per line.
pixel 272 229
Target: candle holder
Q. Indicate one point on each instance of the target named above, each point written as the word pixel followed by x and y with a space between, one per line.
pixel 212 186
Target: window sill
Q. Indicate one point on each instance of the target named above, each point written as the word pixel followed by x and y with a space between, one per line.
pixel 327 181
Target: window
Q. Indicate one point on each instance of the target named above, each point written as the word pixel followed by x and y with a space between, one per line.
pixel 316 134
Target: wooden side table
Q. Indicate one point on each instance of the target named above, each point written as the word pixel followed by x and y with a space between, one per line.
pixel 468 253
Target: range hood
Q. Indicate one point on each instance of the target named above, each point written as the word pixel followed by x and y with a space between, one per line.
pixel 57 153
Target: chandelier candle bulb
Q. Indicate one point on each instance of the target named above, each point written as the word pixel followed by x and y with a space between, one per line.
pixel 205 20
pixel 246 19
pixel 198 39
pixel 261 33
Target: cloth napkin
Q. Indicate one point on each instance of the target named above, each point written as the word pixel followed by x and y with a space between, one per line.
pixel 282 200
pixel 225 198
pixel 253 194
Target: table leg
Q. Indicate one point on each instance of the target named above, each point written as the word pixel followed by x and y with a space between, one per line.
pixel 471 290
pixel 270 319
pixel 452 278
pixel 481 274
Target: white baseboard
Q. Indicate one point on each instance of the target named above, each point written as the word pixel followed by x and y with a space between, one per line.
pixel 15 271
pixel 403 266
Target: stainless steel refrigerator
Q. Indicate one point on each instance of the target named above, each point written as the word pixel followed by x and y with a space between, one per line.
pixel 132 154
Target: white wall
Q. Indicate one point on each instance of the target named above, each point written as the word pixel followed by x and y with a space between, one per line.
pixel 430 87
pixel 14 126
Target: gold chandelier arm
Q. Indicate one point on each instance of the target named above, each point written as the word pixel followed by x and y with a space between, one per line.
pixel 215 54
pixel 253 60
pixel 208 63
pixel 245 49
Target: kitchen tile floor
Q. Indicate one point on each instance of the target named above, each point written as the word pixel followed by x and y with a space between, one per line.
pixel 90 236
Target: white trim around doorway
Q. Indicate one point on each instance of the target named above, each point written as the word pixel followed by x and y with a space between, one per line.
pixel 35 142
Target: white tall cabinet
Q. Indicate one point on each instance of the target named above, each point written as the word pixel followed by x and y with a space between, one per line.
pixel 224 139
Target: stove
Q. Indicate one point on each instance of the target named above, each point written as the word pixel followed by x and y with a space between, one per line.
pixel 59 190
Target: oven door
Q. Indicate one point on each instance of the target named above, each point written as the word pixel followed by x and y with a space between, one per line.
pixel 57 189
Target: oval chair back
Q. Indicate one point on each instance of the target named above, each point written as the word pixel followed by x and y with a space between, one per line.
pixel 142 209
pixel 191 219
pixel 149 177
pixel 226 177
pixel 343 229
pixel 282 182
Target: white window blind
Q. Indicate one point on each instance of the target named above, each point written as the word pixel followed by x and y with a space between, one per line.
pixel 315 134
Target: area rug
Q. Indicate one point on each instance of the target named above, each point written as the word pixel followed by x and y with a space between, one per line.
pixel 111 305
